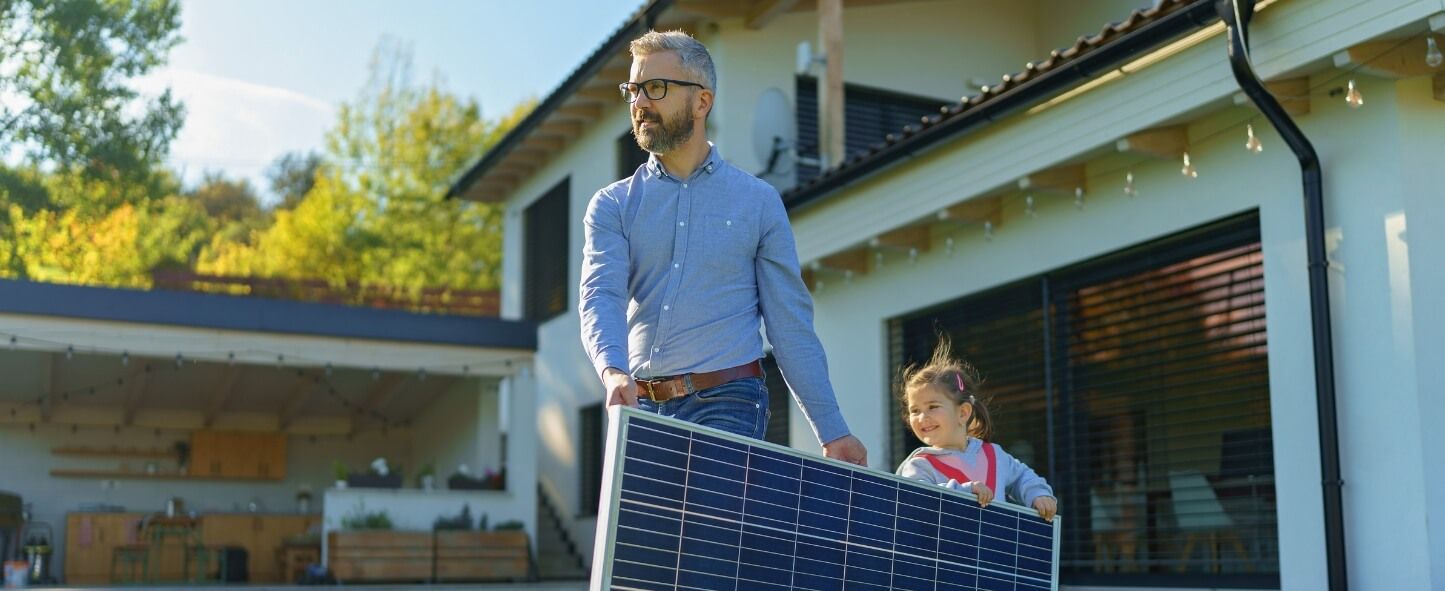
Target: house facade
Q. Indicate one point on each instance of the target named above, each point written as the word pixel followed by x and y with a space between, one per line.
pixel 1112 234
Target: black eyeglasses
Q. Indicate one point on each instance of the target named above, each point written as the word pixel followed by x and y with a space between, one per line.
pixel 655 89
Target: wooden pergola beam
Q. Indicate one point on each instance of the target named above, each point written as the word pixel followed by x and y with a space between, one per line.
pixel 762 12
pixel 225 389
pixel 831 133
pixel 295 400
pixel 135 392
pixel 1161 142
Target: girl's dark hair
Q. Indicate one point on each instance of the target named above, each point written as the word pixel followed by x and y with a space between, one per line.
pixel 959 380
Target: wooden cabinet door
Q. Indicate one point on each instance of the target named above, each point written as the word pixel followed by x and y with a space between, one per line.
pixel 207 457
pixel 239 455
pixel 271 455
pixel 90 540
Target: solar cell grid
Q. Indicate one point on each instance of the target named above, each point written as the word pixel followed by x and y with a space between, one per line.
pixel 690 508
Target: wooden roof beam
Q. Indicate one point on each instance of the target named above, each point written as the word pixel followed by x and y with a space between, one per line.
pixel 1060 179
pixel 762 12
pixel 851 262
pixel 1292 93
pixel 1389 58
pixel 1166 143
pixel 912 239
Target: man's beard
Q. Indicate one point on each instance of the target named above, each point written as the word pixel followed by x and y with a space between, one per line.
pixel 665 135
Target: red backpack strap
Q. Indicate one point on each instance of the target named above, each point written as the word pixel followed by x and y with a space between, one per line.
pixel 992 467
pixel 947 470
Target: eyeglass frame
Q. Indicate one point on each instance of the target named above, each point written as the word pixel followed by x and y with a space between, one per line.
pixel 642 90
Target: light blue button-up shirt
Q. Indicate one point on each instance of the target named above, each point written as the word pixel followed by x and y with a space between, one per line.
pixel 686 269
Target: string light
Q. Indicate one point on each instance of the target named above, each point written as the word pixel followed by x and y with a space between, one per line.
pixel 988 231
pixel 1252 144
pixel 179 361
pixel 1078 198
pixel 1433 57
pixel 69 353
pixel 948 245
pixel 1353 98
pixel 231 358
pixel 1029 206
pixel 1129 184
pixel 1188 171
pixel 13 342
pixel 125 359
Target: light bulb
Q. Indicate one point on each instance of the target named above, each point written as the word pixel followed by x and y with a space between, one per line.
pixel 1433 57
pixel 125 359
pixel 1353 98
pixel 1188 169
pixel 1252 144
pixel 69 353
pixel 988 231
pixel 1029 206
pixel 1078 197
pixel 947 246
pixel 1129 184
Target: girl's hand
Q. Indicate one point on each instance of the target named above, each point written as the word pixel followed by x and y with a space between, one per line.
pixel 983 492
pixel 1047 507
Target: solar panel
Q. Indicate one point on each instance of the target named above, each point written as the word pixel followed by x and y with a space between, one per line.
pixel 689 507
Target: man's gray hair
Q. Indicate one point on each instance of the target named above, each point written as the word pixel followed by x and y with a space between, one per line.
pixel 695 58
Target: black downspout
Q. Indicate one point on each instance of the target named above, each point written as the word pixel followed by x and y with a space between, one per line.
pixel 1236 14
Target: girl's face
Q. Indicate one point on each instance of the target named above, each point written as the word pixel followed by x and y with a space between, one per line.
pixel 936 419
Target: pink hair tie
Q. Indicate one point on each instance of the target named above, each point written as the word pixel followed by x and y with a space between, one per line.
pixel 959 378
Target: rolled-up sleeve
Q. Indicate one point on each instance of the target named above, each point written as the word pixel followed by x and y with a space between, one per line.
pixel 602 291
pixel 787 310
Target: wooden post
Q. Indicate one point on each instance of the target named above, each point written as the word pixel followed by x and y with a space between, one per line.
pixel 830 89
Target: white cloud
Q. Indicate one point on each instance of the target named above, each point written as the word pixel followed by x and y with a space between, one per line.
pixel 237 126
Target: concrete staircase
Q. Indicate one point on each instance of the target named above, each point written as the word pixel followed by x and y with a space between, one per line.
pixel 558 558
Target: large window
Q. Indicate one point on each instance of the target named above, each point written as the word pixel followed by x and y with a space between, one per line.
pixel 869 115
pixel 1138 385
pixel 546 254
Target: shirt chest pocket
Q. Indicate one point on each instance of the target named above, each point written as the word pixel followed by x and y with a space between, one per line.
pixel 726 243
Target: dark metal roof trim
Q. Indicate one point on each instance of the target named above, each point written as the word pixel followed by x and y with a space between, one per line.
pixel 225 312
pixel 640 22
pixel 1065 68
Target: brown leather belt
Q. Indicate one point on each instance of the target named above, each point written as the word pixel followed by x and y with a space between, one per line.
pixel 665 389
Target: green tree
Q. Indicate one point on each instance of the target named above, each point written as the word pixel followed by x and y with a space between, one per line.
pixel 292 176
pixel 377 214
pixel 65 101
pixel 227 200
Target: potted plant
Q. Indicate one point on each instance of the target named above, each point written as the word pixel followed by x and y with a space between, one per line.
pixel 342 473
pixel 426 477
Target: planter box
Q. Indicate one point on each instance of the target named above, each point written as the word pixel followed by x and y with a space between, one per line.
pixel 478 555
pixel 363 480
pixel 380 555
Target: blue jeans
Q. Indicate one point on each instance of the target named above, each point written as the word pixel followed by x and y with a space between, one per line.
pixel 739 406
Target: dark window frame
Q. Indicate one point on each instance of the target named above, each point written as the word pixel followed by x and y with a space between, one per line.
pixel 869 115
pixel 592 444
pixel 547 253
pixel 1069 352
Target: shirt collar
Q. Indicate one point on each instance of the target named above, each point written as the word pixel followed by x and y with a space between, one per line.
pixel 709 165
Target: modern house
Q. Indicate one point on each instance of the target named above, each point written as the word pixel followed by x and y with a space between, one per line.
pixel 1105 225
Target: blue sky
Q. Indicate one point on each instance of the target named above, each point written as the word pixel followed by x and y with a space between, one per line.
pixel 263 77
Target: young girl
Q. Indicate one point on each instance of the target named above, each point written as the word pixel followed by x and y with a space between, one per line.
pixel 943 407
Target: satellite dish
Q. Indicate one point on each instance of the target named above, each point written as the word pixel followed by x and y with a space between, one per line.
pixel 775 133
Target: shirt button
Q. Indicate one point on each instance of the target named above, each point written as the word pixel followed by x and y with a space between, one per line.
pixel 666 308
pixel 684 185
pixel 682 223
pixel 656 349
pixel 675 265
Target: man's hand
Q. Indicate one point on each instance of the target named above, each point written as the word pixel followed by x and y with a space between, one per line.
pixel 621 389
pixel 848 449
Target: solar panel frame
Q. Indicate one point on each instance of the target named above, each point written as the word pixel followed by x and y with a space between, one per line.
pixel 860 537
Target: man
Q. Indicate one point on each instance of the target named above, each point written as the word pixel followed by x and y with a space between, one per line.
pixel 682 260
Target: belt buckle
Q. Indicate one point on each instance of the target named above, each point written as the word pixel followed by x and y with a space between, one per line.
pixel 647 387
